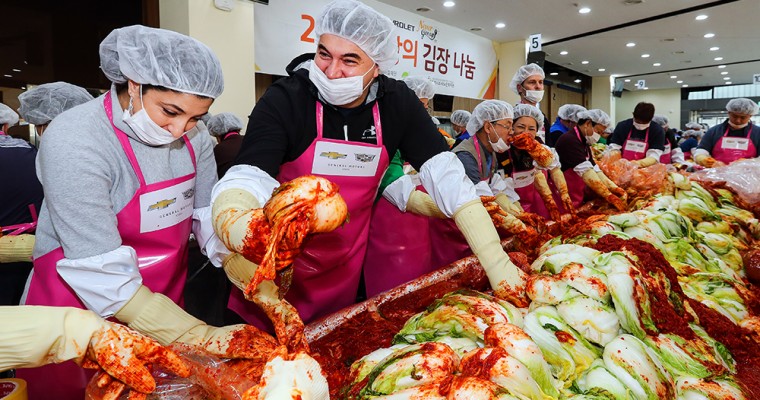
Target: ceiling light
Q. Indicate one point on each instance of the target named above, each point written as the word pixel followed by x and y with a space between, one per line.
pixel 701 17
pixel 584 62
pixel 721 66
pixel 24 87
pixel 724 73
pixel 714 48
pixel 673 76
pixel 16 70
pixel 501 25
pixel 563 53
pixel 718 58
pixel 645 56
pixel 630 44
pixel 449 4
pixel 684 85
pixel 554 73
pixel 645 88
pixel 577 81
pixel 476 29
pixel 726 78
pixel 709 35
pixel 601 70
pixel 656 64
pixel 584 10
pixel 8 76
pixel 679 81
pixel 627 80
pixel 727 83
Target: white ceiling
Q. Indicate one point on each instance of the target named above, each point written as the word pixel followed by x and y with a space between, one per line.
pixel 673 37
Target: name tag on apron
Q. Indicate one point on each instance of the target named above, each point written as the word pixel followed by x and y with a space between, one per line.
pixel 635 146
pixel 667 148
pixel 166 207
pixel 735 143
pixel 523 178
pixel 345 159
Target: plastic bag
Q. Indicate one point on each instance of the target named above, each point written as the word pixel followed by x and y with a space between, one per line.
pixel 210 378
pixel 626 174
pixel 743 177
pixel 618 169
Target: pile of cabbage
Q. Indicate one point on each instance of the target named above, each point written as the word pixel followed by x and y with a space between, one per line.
pixel 589 332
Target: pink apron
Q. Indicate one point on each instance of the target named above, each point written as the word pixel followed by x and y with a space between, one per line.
pixel 161 247
pixel 635 149
pixel 575 185
pixel 729 149
pixel 530 199
pixel 326 275
pixel 665 158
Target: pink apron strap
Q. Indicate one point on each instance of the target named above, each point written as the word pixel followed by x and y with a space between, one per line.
pixel 230 134
pixel 375 116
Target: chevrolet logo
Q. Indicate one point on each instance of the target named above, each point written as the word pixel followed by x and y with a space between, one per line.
pixel 162 204
pixel 333 155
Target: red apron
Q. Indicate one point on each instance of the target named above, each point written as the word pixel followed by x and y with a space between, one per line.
pixel 665 158
pixel 161 248
pixel 575 185
pixel 326 275
pixel 729 149
pixel 635 149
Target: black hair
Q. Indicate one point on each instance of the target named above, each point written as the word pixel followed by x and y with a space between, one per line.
pixel 644 112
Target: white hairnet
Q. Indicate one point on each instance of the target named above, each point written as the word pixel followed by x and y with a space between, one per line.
pixel 43 103
pixel 660 120
pixel 436 121
pixel 224 123
pixel 7 116
pixel 161 58
pixel 596 115
pixel 527 110
pixel 689 133
pixel 206 117
pixel 742 105
pixel 362 25
pixel 569 112
pixel 523 73
pixel 489 110
pixel 460 117
pixel 693 125
pixel 421 86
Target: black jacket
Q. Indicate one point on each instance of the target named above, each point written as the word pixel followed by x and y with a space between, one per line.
pixel 225 153
pixel 623 128
pixel 714 134
pixel 282 125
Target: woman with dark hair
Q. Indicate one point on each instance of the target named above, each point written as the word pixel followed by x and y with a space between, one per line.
pixel 638 138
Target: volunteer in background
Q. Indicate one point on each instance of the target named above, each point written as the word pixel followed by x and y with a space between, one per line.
pixel 689 143
pixel 733 139
pixel 459 119
pixel 127 177
pixel 567 117
pixel 638 138
pixel 226 128
pixel 672 154
pixel 41 104
pixel 339 102
pixel 528 83
pixel 578 165
pixel 424 89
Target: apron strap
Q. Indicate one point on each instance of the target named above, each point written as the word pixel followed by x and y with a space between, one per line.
pixel 375 116
pixel 124 140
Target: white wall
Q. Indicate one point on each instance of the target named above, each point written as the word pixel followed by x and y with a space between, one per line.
pixel 601 95
pixel 666 102
pixel 511 56
pixel 230 35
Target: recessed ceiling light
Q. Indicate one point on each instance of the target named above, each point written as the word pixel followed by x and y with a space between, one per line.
pixel 684 85
pixel 584 10
pixel 679 81
pixel 501 25
pixel 627 80
pixel 584 62
pixel 449 4
pixel 718 58
pixel 24 87
pixel 716 48
pixel 727 83
pixel 554 73
pixel 709 35
pixel 726 78
pixel 645 56
pixel 476 29
pixel 656 64
pixel 563 53
pixel 423 9
pixel 673 76
pixel 16 70
pixel 601 70
pixel 724 73
pixel 721 66
pixel 630 44
pixel 701 17
pixel 577 81
pixel 645 88
pixel 8 76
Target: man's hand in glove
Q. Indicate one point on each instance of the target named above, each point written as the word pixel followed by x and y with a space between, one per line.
pixel 613 195
pixel 504 220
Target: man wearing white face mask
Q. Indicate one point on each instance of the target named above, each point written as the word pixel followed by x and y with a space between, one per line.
pixel 639 139
pixel 737 137
pixel 528 83
pixel 337 116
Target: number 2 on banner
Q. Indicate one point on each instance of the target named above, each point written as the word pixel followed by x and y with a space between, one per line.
pixel 305 36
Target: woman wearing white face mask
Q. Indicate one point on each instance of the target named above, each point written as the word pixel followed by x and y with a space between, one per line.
pixel 639 139
pixel 127 177
pixel 581 172
pixel 737 137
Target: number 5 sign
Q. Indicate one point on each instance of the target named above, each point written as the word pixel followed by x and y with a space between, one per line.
pixel 535 43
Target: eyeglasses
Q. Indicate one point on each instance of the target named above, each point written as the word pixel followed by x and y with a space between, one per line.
pixel 507 127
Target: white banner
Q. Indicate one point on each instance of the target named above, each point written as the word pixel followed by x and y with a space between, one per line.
pixel 459 63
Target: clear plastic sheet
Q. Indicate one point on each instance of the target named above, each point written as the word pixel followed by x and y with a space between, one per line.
pixel 629 176
pixel 210 378
pixel 743 177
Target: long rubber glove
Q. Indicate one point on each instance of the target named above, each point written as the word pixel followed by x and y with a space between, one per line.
pixel 592 180
pixel 422 204
pixel 707 161
pixel 288 325
pixel 561 184
pixel 542 186
pixel 538 152
pixel 34 336
pixel 506 279
pixel 501 218
pixel 645 162
pixel 232 214
pixel 614 188
pixel 157 316
pixel 16 248
pixel 512 207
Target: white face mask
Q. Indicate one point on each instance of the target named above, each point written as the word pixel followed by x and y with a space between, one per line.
pixel 144 128
pixel 534 96
pixel 593 138
pixel 640 127
pixel 339 91
pixel 738 126
pixel 500 145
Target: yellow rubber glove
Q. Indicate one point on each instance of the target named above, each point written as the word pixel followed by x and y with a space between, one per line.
pixel 45 335
pixel 508 205
pixel 593 181
pixel 16 248
pixel 645 162
pixel 157 316
pixel 231 214
pixel 538 152
pixel 561 184
pixel 542 187
pixel 421 203
pixel 707 161
pixel 506 279
pixel 501 218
